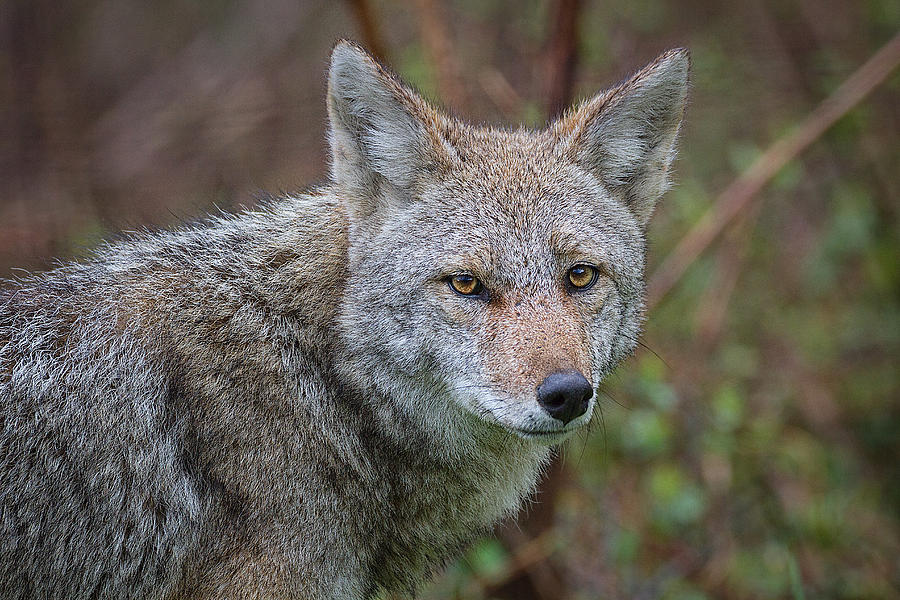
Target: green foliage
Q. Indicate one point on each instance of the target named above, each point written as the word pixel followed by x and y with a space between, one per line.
pixel 646 434
pixel 417 70
pixel 676 501
pixel 488 558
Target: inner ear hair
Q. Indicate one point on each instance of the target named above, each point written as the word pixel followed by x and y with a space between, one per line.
pixel 380 129
pixel 626 135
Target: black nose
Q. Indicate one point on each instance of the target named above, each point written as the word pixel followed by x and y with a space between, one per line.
pixel 565 395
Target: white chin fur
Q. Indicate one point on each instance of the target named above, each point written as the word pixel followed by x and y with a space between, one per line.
pixel 524 419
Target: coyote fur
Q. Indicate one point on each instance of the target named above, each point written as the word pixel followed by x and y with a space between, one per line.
pixel 329 396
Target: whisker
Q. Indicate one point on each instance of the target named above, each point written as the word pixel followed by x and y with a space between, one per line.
pixel 652 351
pixel 611 397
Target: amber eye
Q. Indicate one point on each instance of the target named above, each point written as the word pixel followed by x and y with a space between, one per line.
pixel 466 284
pixel 582 276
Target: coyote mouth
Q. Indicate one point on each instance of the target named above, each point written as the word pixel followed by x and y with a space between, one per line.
pixel 543 434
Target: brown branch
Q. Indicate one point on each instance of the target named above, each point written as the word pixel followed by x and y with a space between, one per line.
pixel 562 55
pixel 368 27
pixel 737 196
pixel 437 42
pixel 539 579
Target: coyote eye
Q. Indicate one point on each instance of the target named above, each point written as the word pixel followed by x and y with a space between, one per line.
pixel 466 285
pixel 581 277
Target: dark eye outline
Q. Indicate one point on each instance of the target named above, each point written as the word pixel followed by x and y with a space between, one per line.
pixel 595 274
pixel 477 292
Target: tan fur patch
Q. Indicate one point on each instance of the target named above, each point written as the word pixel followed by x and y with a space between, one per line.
pixel 526 339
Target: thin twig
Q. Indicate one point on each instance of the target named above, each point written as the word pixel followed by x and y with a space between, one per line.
pixel 737 196
pixel 501 93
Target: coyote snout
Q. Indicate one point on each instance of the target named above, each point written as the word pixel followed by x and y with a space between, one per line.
pixel 536 352
pixel 565 395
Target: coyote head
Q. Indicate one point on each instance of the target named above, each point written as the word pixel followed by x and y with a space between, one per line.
pixel 501 269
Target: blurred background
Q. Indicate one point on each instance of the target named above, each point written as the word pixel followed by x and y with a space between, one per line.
pixel 751 448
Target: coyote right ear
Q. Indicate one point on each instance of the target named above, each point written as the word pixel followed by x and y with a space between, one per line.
pixel 626 136
pixel 380 130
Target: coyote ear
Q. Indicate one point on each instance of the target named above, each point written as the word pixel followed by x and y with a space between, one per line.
pixel 626 135
pixel 380 130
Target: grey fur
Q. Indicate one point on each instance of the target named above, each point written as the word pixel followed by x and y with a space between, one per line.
pixel 291 402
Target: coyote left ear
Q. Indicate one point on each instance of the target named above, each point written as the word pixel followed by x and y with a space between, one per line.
pixel 626 135
pixel 381 131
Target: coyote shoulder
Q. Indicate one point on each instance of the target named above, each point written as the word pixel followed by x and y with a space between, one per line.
pixel 332 394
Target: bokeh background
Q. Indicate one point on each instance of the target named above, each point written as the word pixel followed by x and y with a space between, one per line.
pixel 750 449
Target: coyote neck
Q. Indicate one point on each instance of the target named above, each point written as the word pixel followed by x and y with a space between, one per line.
pixel 443 480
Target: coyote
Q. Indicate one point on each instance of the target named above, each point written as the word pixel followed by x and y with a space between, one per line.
pixel 331 395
